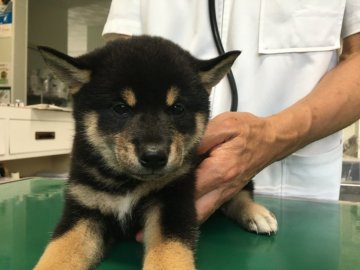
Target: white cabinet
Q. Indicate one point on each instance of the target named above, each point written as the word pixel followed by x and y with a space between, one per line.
pixel 2 137
pixel 31 136
pixel 27 133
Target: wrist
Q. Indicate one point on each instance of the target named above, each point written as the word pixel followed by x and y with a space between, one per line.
pixel 289 131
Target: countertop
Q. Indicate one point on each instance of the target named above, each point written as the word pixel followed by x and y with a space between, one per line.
pixel 312 234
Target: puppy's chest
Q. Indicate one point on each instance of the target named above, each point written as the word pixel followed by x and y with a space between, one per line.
pixel 120 206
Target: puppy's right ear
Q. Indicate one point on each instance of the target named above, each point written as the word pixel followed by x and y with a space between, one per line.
pixel 66 68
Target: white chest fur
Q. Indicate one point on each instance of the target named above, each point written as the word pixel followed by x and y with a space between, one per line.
pixel 117 205
pixel 111 204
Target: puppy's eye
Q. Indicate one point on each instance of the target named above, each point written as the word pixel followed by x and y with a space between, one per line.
pixel 176 109
pixel 121 108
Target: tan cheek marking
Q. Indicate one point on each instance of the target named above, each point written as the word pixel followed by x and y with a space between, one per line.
pixel 97 140
pixel 163 253
pixel 200 120
pixel 79 248
pixel 90 121
pixel 129 96
pixel 171 96
pixel 177 153
pixel 182 145
pixel 125 151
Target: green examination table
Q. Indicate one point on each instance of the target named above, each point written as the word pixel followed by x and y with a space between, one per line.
pixel 312 235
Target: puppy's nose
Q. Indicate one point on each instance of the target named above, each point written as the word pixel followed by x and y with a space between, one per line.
pixel 153 159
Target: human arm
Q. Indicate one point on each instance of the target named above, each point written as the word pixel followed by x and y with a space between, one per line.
pixel 241 144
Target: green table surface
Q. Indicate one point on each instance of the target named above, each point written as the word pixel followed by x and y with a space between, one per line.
pixel 312 235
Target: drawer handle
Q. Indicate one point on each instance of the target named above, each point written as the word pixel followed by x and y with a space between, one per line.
pixel 44 135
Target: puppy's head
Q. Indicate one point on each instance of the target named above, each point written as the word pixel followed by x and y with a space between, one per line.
pixel 141 104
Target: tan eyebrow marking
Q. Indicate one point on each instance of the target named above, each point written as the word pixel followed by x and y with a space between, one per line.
pixel 129 96
pixel 171 96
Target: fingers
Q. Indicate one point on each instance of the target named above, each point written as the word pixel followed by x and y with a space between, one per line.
pixel 211 201
pixel 219 130
pixel 208 177
pixel 221 167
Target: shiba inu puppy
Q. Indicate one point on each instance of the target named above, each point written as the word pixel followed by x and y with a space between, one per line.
pixel 140 107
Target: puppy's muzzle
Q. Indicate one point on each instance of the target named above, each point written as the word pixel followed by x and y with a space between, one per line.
pixel 153 157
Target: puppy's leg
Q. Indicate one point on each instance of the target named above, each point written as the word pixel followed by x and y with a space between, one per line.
pixel 166 250
pixel 250 215
pixel 78 248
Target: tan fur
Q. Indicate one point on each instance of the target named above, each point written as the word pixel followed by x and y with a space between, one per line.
pixel 171 96
pixel 129 96
pixel 191 140
pixel 249 214
pixel 161 253
pixel 78 249
pixel 200 119
pixel 83 76
pixel 99 140
pixel 211 77
pixel 125 152
pixel 152 232
pixel 176 155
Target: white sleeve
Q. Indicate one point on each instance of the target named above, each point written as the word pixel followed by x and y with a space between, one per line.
pixel 351 23
pixel 124 18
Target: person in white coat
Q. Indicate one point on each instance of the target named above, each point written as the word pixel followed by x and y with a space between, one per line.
pixel 296 90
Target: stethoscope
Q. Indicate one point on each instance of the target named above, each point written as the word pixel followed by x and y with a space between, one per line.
pixel 220 48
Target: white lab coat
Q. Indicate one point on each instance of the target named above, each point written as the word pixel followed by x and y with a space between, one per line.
pixel 287 46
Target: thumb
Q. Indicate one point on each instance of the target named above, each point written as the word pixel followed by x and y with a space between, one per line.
pixel 212 139
pixel 218 131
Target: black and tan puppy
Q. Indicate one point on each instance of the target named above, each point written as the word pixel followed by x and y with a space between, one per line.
pixel 140 108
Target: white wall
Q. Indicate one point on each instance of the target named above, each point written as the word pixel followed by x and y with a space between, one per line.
pixel 5 49
pixel 19 50
pixel 94 39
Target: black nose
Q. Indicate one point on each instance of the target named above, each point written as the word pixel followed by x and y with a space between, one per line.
pixel 153 159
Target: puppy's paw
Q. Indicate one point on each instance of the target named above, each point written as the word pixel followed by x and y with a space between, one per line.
pixel 252 216
pixel 257 218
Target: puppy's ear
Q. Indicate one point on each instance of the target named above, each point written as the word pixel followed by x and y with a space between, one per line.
pixel 213 70
pixel 66 68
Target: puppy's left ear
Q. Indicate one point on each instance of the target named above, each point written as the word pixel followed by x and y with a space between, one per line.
pixel 213 70
pixel 66 68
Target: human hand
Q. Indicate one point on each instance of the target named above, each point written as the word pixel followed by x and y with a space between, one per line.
pixel 239 146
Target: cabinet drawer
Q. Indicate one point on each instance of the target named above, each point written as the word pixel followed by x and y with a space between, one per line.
pixel 38 136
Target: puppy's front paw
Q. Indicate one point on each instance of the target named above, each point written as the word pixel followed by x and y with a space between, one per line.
pixel 252 216
pixel 257 218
